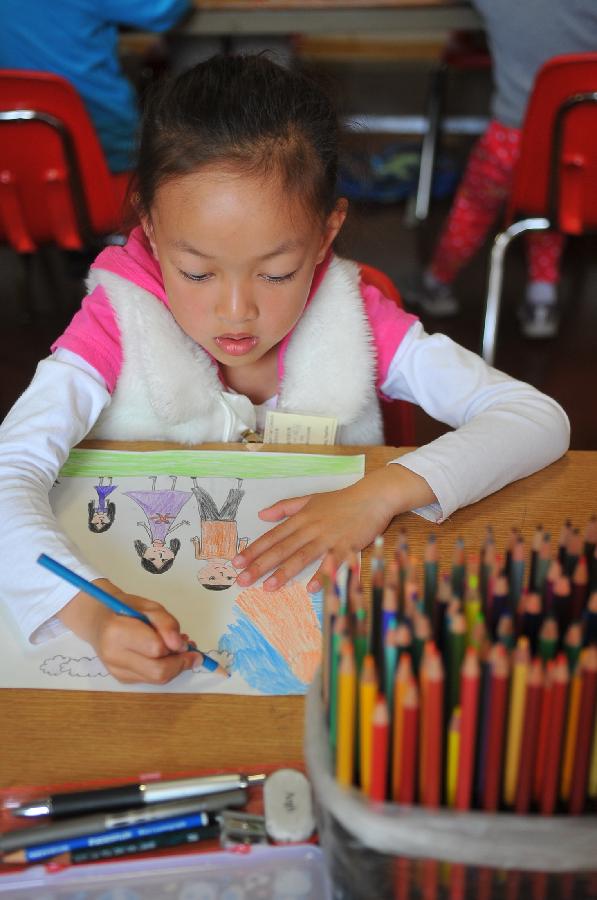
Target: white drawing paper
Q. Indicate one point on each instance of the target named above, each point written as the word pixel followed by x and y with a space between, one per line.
pixel 166 525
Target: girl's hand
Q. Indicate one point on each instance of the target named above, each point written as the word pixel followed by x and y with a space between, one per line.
pixel 338 521
pixel 131 650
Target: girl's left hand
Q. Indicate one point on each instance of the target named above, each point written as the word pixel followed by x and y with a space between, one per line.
pixel 337 521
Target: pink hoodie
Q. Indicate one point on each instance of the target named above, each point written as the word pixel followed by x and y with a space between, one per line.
pixel 94 335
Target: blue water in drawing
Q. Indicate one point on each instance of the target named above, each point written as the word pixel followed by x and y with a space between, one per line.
pixel 260 664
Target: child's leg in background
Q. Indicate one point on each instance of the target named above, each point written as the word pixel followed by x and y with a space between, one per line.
pixel 539 315
pixel 544 251
pixel 484 187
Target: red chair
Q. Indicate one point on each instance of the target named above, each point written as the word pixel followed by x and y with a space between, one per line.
pixel 555 180
pixel 398 415
pixel 55 187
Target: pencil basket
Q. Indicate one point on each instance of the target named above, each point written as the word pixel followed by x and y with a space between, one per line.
pixel 385 850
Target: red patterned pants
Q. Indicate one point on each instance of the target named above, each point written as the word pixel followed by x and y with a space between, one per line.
pixel 480 196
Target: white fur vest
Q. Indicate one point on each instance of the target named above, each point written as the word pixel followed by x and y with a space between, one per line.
pixel 169 388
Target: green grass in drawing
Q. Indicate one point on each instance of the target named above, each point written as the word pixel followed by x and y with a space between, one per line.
pixel 208 463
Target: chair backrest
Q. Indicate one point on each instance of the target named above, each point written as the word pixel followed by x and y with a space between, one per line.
pixel 556 174
pixel 55 186
pixel 398 415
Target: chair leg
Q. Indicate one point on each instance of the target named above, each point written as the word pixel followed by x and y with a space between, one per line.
pixel 26 309
pixel 496 277
pixel 429 147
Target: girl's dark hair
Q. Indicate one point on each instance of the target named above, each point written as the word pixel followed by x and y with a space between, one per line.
pixel 91 510
pixel 243 110
pixel 150 566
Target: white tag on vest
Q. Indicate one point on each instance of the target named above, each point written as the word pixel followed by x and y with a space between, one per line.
pixel 293 428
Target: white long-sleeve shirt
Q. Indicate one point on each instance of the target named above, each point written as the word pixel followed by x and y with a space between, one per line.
pixel 504 430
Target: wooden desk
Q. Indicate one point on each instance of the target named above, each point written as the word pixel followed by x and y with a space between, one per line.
pixel 62 736
pixel 236 17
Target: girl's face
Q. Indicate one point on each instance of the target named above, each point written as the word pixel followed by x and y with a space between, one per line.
pixel 237 256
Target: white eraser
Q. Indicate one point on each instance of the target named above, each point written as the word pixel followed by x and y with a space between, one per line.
pixel 288 806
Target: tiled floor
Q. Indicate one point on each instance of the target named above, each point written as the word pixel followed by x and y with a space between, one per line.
pixel 565 367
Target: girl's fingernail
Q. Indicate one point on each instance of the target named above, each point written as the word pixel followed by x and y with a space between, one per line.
pixel 313 586
pixel 238 562
pixel 270 583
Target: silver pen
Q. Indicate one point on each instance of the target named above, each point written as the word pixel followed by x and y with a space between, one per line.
pixel 132 796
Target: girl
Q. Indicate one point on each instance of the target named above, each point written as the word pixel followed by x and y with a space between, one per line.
pixel 227 301
pixel 161 509
pixel 101 515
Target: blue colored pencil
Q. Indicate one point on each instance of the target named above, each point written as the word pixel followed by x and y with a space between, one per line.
pixel 115 604
pixel 112 836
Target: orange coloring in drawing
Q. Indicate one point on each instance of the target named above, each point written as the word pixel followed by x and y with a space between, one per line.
pixel 287 620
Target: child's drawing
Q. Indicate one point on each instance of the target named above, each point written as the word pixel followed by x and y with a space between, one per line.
pixel 268 640
pixel 161 509
pixel 84 667
pixel 276 639
pixel 219 542
pixel 101 513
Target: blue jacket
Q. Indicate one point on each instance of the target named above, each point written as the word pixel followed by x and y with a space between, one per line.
pixel 78 39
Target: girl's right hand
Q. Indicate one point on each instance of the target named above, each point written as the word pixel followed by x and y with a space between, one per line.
pixel 131 650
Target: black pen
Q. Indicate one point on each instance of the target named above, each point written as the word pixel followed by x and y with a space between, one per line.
pixel 22 838
pixel 133 796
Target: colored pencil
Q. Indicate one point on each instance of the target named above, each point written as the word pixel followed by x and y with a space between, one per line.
pixel 580 589
pixel 432 712
pixel 536 544
pixel 500 670
pixel 469 700
pixel 573 644
pixel 337 635
pixel 452 756
pixel 574 549
pixel 543 733
pixel 515 719
pixel 346 715
pixel 517 566
pixel 590 543
pixel 379 752
pixel 531 619
pixel 376 632
pixel 472 598
pixel 505 631
pixel 571 731
pixel 543 563
pixel 549 792
pixel 408 773
pixel 456 646
pixel 562 601
pixel 548 639
pixel 590 620
pixel 367 698
pixel 554 572
pixel 563 543
pixel 593 763
pixel 403 679
pixel 500 603
pixel 530 735
pixel 431 569
pixel 486 663
pixel 458 569
pixel 487 569
pixel 580 773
